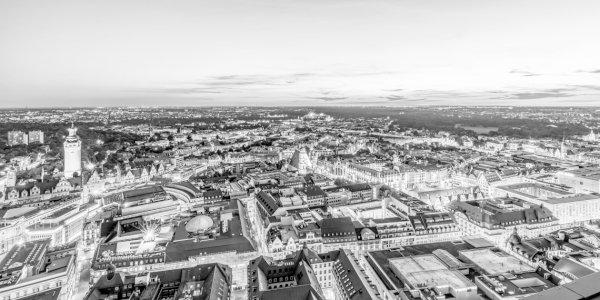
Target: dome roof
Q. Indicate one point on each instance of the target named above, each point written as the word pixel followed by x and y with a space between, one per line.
pixel 199 223
pixel 514 238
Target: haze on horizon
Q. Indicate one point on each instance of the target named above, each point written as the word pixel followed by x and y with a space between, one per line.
pixel 302 52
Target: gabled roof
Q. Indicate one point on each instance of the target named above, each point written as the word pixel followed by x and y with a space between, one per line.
pixel 355 286
pixel 343 226
pixel 267 201
pixel 495 216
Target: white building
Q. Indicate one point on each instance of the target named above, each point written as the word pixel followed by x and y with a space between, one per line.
pixel 72 146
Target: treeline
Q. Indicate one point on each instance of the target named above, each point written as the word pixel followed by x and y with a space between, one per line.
pixel 95 143
pixel 442 120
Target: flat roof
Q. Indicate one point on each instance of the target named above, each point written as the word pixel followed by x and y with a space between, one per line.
pixel 27 253
pixel 417 263
pixel 494 263
pixel 382 258
pixel 439 278
pixel 478 241
pixel 575 198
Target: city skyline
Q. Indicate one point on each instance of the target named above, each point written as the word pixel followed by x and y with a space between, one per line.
pixel 297 53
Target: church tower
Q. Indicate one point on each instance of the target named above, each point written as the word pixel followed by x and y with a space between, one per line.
pixel 72 147
pixel 301 161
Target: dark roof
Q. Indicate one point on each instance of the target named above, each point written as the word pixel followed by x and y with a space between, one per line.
pixel 267 201
pixel 58 264
pixel 103 282
pixel 343 226
pixel 297 265
pixel 570 266
pixel 212 193
pixel 182 250
pixel 28 253
pixel 52 294
pixel 354 285
pixel 583 288
pixel 358 187
pixel 312 191
pixel 215 278
pixel 497 216
pixel 303 292
pixel 143 193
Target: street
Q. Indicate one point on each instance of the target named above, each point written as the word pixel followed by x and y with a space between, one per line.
pixel 84 271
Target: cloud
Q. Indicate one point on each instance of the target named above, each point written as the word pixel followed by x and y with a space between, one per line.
pixel 327 99
pixel 394 98
pixel 594 101
pixel 182 91
pixel 597 71
pixel 529 96
pixel 421 99
pixel 559 90
pixel 236 81
pixel 517 71
pixel 589 87
pixel 523 72
pixel 393 90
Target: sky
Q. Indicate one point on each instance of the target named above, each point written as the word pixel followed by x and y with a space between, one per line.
pixel 299 52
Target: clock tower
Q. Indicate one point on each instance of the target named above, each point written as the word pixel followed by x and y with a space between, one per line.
pixel 72 148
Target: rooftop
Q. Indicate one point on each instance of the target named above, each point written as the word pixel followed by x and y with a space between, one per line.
pixel 494 263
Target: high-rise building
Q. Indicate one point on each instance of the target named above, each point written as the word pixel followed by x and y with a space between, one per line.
pixel 17 138
pixel 72 146
pixel 36 137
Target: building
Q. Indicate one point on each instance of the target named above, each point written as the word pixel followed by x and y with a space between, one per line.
pixel 312 195
pixel 61 227
pixel 575 209
pixel 15 221
pixel 581 289
pixel 17 138
pixel 426 271
pixel 470 268
pixel 301 161
pixel 497 219
pixel 33 269
pixel 144 231
pixel 149 203
pixel 565 205
pixel 205 281
pixel 293 278
pixel 433 272
pixel 72 147
pixel 592 136
pixel 36 137
pixel 583 180
pixel 22 138
pixel 350 280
